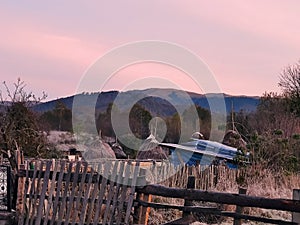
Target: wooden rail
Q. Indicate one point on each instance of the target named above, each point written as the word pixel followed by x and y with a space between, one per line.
pixel 223 198
pixel 240 200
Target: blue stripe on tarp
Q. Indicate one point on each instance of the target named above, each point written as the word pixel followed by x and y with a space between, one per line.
pixel 192 159
pixel 214 147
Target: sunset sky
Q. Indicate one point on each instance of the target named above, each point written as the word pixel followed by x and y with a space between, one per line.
pixel 246 44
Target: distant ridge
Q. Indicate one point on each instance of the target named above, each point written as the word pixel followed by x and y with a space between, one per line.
pixel 157 101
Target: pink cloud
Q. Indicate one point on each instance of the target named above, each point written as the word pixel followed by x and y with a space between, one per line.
pixel 273 20
pixel 28 39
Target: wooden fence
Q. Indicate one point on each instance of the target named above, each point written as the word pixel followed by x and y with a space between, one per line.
pixel 119 192
pixel 206 177
pixel 190 194
pixel 77 193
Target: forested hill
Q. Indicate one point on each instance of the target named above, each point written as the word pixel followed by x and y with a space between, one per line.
pixel 157 101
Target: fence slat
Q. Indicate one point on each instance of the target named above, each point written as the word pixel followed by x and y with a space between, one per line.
pixel 110 193
pixel 53 184
pixel 36 192
pixel 43 193
pixel 22 213
pixel 85 201
pixel 124 192
pixel 73 190
pixel 58 191
pixel 117 193
pixel 79 194
pixel 107 167
pixel 132 191
pixel 64 196
pixel 94 194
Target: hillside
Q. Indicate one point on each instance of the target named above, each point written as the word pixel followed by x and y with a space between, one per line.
pixel 157 101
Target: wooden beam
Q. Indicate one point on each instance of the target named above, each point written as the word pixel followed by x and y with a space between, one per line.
pixel 239 209
pixel 223 198
pixel 141 180
pixel 214 211
pixel 179 207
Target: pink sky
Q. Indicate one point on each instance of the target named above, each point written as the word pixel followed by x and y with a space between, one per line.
pixel 245 43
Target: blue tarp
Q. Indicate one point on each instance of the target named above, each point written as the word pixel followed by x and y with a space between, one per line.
pixel 203 151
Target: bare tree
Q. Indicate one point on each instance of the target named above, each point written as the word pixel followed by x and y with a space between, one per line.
pixel 19 128
pixel 290 85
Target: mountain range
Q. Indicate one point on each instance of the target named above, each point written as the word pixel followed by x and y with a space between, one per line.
pixel 162 102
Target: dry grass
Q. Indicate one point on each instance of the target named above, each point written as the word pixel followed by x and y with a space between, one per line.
pixel 258 181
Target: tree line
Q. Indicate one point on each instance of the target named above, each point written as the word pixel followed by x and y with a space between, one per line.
pixel 273 130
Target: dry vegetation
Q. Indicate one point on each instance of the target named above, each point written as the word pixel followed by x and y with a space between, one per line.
pixel 258 181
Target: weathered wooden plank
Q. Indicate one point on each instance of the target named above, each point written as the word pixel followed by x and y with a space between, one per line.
pixel 31 192
pixel 132 192
pixel 123 193
pixel 51 191
pixel 223 198
pixel 22 213
pixel 43 193
pixel 73 191
pixel 94 195
pixel 141 213
pixel 36 192
pixel 68 199
pixel 65 192
pixel 58 191
pixel 154 171
pixel 111 193
pixel 85 200
pixel 214 211
pixel 117 192
pixel 22 173
pixel 160 172
pixel 79 194
pixel 179 207
pixel 107 167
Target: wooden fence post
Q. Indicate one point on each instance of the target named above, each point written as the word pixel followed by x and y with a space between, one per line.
pixel 142 213
pixel 296 216
pixel 239 209
pixel 190 185
pixel 19 192
pixel 9 200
